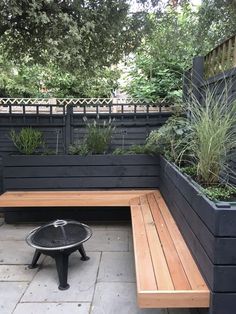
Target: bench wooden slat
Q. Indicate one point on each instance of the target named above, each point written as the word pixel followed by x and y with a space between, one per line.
pixel 68 198
pixel 174 299
pixel 163 278
pixel 180 280
pixel 190 267
pixel 146 277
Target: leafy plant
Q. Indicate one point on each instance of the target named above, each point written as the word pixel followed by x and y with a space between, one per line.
pixel 171 139
pixel 79 149
pixel 190 171
pixel 220 193
pixel 133 150
pixel 27 141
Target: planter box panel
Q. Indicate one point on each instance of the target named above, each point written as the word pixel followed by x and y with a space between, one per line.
pixel 71 183
pixel 94 160
pixel 202 233
pixel 203 209
pixel 223 303
pixel 81 171
pixel 220 278
pixel 221 221
pixel 219 249
pixel 77 172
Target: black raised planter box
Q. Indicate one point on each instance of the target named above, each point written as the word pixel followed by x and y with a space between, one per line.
pixel 70 172
pixel 210 232
pixel 66 172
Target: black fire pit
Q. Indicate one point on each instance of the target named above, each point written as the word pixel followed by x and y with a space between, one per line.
pixel 59 239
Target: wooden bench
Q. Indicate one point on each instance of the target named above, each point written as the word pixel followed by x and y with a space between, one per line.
pixel 167 275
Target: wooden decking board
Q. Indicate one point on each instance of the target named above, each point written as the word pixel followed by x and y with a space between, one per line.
pixel 167 276
pixel 68 198
pixel 178 275
pixel 160 265
pixel 191 269
pixel 146 278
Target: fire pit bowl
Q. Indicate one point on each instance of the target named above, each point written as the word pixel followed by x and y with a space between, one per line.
pixel 59 239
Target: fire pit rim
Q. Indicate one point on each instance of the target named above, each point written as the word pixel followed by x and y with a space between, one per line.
pixel 57 248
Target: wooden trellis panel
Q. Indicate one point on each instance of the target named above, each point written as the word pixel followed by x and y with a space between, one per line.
pixel 221 58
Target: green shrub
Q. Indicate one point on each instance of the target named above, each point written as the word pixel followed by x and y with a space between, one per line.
pixel 171 139
pixel 79 149
pixel 97 139
pixel 98 136
pixel 190 171
pixel 133 150
pixel 220 193
pixel 27 141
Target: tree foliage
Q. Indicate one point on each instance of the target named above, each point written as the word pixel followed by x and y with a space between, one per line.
pixel 177 34
pixel 73 33
pixel 36 80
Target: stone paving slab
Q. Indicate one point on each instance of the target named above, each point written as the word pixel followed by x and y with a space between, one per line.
pixel 10 293
pixel 131 244
pixel 52 308
pixel 15 252
pixel 118 298
pixel 81 277
pixel 108 240
pixel 117 266
pixel 16 273
pixel 110 226
pixel 16 232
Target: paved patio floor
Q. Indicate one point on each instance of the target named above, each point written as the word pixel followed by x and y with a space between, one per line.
pixel 103 285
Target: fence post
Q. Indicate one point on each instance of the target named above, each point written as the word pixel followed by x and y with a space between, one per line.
pixel 186 85
pixel 197 77
pixel 68 128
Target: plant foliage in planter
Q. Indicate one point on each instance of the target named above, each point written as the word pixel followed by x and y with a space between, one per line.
pixel 201 141
pixel 133 150
pixel 97 140
pixel 27 141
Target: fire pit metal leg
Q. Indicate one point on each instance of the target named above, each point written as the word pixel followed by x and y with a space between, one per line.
pixel 62 270
pixel 83 253
pixel 35 259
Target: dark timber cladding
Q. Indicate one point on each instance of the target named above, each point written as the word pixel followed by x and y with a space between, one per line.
pixel 209 232
pixel 76 172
